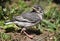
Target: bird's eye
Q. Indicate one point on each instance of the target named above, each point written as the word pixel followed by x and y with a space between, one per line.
pixel 37 8
pixel 40 11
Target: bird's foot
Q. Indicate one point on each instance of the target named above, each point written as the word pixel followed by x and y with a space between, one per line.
pixel 30 36
pixel 24 31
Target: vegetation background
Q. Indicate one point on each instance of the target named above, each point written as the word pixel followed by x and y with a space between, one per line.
pixel 50 22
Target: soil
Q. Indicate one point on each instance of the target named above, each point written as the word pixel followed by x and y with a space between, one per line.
pixel 17 36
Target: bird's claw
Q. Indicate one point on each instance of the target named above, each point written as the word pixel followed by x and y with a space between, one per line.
pixel 23 31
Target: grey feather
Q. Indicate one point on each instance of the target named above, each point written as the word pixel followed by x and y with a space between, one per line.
pixel 28 19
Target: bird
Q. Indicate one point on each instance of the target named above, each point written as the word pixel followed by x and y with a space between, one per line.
pixel 29 19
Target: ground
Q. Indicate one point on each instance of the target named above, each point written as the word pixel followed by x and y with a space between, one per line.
pixel 17 36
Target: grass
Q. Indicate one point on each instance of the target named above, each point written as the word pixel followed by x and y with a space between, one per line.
pixel 51 19
pixel 4 37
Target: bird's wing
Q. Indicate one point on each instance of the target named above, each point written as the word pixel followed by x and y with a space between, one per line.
pixel 28 17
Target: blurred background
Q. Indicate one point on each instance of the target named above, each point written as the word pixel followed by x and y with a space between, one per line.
pixel 51 18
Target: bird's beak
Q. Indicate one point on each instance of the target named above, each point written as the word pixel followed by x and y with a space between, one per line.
pixel 35 10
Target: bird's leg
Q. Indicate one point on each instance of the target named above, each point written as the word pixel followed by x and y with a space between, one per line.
pixel 24 31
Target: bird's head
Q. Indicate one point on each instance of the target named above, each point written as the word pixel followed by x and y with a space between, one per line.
pixel 38 9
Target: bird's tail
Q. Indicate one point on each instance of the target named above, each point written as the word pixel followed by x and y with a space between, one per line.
pixel 8 22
